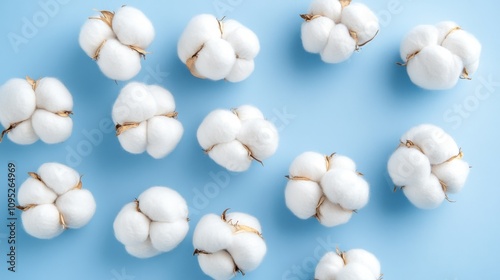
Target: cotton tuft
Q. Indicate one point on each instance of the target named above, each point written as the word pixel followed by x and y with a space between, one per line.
pixel 355 264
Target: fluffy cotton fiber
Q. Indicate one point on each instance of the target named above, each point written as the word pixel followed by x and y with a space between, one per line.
pixel 218 49
pixel 53 200
pixel 428 165
pixel 228 244
pixel 234 138
pixel 436 56
pixel 117 41
pixel 153 224
pixel 146 120
pixel 32 110
pixel 336 28
pixel 325 187
pixel 355 264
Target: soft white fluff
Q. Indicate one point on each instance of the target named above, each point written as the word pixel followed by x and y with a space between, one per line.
pixel 228 243
pixel 436 56
pixel 427 166
pixel 335 32
pixel 155 223
pixel 355 264
pixel 36 111
pixel 325 187
pixel 234 138
pixel 217 50
pixel 117 41
pixel 53 199
pixel 149 113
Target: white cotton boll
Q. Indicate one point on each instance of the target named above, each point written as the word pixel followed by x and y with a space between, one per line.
pixel 360 19
pixel 58 177
pixel 77 207
pixel 260 136
pixel 346 188
pixel 443 28
pixel 356 271
pixel 427 194
pixel 453 174
pixel 331 214
pixel 241 70
pixel 310 165
pixel 117 61
pixel 33 191
pixel 340 45
pixel 408 165
pixel 302 197
pixel 328 266
pixel 23 134
pixel 218 265
pixel 212 234
pixel 42 221
pixel 315 33
pixel 135 103
pixel 142 250
pixel 163 135
pixel 134 140
pixel 232 155
pixel 343 162
pixel 464 45
pixel 327 8
pixel 244 219
pixel 435 68
pixel 199 30
pixel 17 102
pixel 216 59
pixel 53 96
pixel 417 39
pixel 164 100
pixel 243 40
pixel 130 226
pixel 50 127
pixel 247 250
pixel 436 144
pixel 219 126
pixel 248 112
pixel 162 204
pixel 132 27
pixel 92 34
pixel 166 236
pixel 365 258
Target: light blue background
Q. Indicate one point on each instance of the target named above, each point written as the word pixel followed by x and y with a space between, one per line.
pixel 358 108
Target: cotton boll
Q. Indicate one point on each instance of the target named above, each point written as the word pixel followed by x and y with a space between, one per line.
pixel 212 234
pixel 117 61
pixel 355 271
pixel 232 155
pixel 218 265
pixel 418 38
pixel 346 188
pixel 328 266
pixel 135 103
pixel 163 204
pixel 261 136
pixel 166 236
pixel 464 45
pixel 342 162
pixel 33 191
pixel 142 250
pixel 92 34
pixel 248 112
pixel 365 258
pixel 327 8
pixel 243 219
pixel 50 127
pixel 331 214
pixel 132 27
pixel 302 197
pixel 23 133
pixel 340 45
pixel 360 19
pixel 163 135
pixel 436 144
pixel 53 96
pixel 199 30
pixel 408 165
pixel 453 174
pixel 243 40
pixel 164 100
pixel 315 33
pixel 58 177
pixel 215 60
pixel 443 28
pixel 42 221
pixel 241 70
pixel 310 165
pixel 131 227
pixel 426 195
pixel 134 140
pixel 219 126
pixel 17 102
pixel 247 250
pixel 77 207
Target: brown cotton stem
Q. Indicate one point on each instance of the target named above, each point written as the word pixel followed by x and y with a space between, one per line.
pixel 120 128
pixel 32 82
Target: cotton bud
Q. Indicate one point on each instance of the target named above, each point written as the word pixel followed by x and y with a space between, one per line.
pixel 428 165
pixel 153 224
pixel 234 138
pixel 146 120
pixel 436 56
pixel 337 28
pixel 325 187
pixel 355 264
pixel 117 41
pixel 32 110
pixel 52 200
pixel 228 244
pixel 218 49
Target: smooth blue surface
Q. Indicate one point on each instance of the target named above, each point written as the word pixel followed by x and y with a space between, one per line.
pixel 358 108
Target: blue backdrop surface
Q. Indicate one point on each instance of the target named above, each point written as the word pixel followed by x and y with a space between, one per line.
pixel 358 108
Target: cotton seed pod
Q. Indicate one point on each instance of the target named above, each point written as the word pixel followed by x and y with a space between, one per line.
pixel 436 56
pixel 156 222
pixel 218 49
pixel 325 187
pixel 52 200
pixel 32 110
pixel 355 264
pixel 427 166
pixel 146 120
pixel 117 41
pixel 228 244
pixel 337 28
pixel 234 138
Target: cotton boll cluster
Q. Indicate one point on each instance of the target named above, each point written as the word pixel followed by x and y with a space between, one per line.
pixel 337 28
pixel 436 56
pixel 145 120
pixel 218 49
pixel 355 264
pixel 228 244
pixel 234 138
pixel 428 165
pixel 117 41
pixel 32 110
pixel 53 200
pixel 326 187
pixel 153 224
